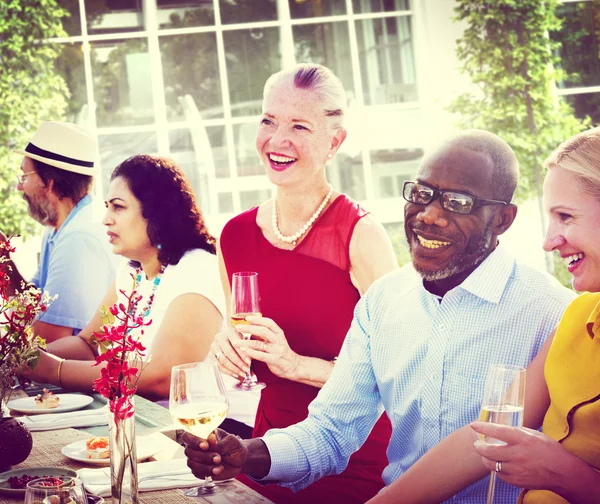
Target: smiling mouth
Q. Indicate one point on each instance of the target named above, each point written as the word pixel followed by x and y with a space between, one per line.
pixel 432 244
pixel 281 161
pixel 574 258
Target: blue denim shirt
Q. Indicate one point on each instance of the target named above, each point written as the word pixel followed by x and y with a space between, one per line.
pixel 76 263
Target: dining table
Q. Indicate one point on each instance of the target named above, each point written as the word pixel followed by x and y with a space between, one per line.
pixel 150 419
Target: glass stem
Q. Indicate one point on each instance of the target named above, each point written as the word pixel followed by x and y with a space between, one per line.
pixel 248 382
pixel 491 488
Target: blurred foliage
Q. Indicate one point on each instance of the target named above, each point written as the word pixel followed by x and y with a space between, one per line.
pixel 580 54
pixel 561 272
pixel 31 91
pixel 512 61
pixel 398 238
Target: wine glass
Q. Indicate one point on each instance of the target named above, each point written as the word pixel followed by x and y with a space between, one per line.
pixel 244 303
pixel 503 403
pixel 198 402
pixel 48 489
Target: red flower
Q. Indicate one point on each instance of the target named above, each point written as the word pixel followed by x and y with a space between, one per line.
pixel 121 347
pixel 18 313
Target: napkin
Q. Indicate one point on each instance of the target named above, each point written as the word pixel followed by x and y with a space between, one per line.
pixel 54 421
pixel 242 403
pixel 160 475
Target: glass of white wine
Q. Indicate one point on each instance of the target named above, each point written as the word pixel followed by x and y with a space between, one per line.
pixel 198 402
pixel 245 301
pixel 503 403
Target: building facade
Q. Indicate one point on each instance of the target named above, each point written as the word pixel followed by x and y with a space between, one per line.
pixel 184 78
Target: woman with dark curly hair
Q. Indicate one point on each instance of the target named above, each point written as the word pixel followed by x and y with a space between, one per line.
pixel 152 220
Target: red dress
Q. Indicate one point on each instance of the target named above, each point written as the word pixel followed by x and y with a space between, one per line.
pixel 308 293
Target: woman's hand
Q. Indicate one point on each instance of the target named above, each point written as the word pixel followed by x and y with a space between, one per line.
pixel 230 361
pixel 529 459
pixel 268 345
pixel 46 370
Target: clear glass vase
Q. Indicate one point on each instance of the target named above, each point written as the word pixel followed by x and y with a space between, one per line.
pixel 123 460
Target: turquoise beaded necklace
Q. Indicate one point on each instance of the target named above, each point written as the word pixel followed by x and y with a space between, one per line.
pixel 155 284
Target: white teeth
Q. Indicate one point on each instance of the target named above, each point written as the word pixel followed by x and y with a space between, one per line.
pixel 572 259
pixel 432 244
pixel 280 159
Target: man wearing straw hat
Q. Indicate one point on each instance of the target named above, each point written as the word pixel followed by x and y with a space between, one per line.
pixel 56 178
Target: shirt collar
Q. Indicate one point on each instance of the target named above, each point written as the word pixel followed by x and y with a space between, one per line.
pixel 83 202
pixel 593 322
pixel 489 279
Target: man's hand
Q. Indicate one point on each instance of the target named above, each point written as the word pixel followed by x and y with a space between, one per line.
pixel 221 456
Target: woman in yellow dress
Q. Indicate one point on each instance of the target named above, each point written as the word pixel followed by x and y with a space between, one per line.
pixel 561 464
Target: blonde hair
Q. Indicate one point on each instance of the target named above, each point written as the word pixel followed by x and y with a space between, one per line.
pixel 581 156
pixel 319 79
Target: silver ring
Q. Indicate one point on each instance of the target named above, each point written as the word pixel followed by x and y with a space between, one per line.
pixel 218 355
pixel 264 346
pixel 498 467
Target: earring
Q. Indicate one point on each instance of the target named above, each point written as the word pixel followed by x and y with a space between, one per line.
pixel 329 156
pixel 159 246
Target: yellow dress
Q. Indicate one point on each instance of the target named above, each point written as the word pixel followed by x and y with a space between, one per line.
pixel 572 373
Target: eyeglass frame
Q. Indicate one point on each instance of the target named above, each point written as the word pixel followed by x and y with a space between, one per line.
pixel 438 193
pixel 21 178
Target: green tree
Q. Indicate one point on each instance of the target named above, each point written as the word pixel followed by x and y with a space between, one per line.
pixel 508 53
pixel 31 91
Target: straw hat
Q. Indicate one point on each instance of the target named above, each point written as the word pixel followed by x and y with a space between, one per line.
pixel 63 145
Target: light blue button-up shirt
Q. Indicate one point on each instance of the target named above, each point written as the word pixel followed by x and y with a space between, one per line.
pixel 76 264
pixel 425 358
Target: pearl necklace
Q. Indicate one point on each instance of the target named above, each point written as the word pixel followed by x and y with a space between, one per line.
pixel 155 284
pixel 293 239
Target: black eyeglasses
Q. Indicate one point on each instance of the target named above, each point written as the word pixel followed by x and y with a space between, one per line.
pixel 421 194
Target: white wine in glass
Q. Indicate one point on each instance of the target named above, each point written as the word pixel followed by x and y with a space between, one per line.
pixel 198 402
pixel 503 403
pixel 245 302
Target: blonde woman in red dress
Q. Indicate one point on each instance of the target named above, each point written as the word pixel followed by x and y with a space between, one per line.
pixel 316 252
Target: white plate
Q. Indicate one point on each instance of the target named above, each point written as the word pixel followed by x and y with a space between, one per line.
pixel 146 446
pixel 68 402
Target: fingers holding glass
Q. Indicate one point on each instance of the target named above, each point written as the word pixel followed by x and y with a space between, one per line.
pixel 229 360
pixel 198 403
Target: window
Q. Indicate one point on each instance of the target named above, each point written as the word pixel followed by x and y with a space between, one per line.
pixel 184 78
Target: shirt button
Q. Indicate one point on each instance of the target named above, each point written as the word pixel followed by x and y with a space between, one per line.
pixel 442 327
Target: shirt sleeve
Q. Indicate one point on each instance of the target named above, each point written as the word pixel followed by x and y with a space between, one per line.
pixel 80 273
pixel 36 279
pixel 340 418
pixel 198 273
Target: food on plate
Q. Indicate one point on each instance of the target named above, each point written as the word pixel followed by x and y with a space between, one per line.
pixel 20 482
pixel 46 400
pixel 97 448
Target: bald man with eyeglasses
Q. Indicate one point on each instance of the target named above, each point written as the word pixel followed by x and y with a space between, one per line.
pixel 422 338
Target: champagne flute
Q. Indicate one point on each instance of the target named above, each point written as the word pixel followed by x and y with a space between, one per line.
pixel 244 303
pixel 47 489
pixel 198 402
pixel 503 403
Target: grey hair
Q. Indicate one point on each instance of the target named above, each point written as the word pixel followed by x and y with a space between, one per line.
pixel 506 166
pixel 319 79
pixel 581 156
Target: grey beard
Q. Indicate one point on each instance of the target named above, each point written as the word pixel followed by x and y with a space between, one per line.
pixel 459 263
pixel 41 211
pixel 450 270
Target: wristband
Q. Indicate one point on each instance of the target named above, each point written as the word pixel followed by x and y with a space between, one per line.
pixel 60 363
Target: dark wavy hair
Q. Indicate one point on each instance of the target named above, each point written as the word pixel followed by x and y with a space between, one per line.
pixel 66 184
pixel 175 223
